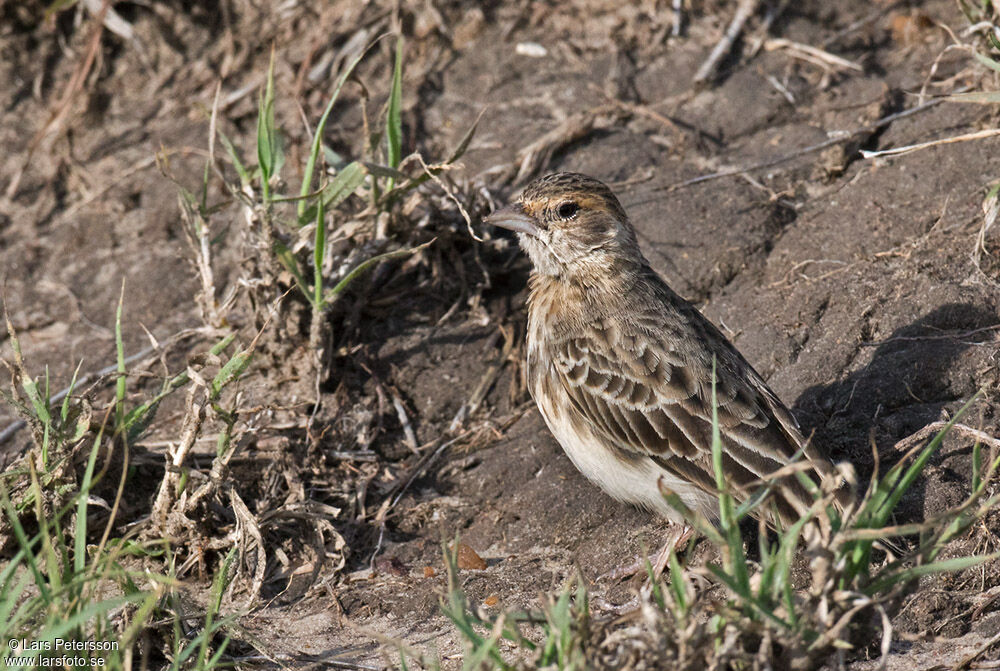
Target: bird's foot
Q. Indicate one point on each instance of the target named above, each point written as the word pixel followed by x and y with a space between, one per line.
pixel 677 539
pixel 606 606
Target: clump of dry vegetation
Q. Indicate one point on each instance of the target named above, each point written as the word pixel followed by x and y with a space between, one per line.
pixel 77 526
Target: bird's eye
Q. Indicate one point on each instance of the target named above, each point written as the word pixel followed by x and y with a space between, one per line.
pixel 567 210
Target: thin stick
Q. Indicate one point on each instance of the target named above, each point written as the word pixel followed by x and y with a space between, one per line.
pixel 898 151
pixel 461 209
pixel 845 137
pixel 948 336
pixel 811 54
pixel 964 664
pixel 744 11
pixel 678 26
pixel 404 420
pixel 934 427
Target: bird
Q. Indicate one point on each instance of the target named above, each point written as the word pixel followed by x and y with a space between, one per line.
pixel 621 367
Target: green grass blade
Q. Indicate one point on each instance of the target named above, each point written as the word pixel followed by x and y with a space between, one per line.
pixel 882 514
pixel 62 629
pixel 463 144
pixel 139 418
pixel 977 97
pixel 394 122
pixel 977 466
pixel 120 382
pixel 64 410
pixel 233 369
pixel 317 143
pixel 363 267
pixel 234 157
pixel 343 185
pixel 987 61
pixel 943 566
pixel 38 404
pixel 80 533
pixel 678 587
pixel 267 149
pixel 291 264
pixel 378 170
pixel 733 551
pixel 319 253
pixel 23 543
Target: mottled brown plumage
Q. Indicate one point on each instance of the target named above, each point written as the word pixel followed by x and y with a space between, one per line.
pixel 621 366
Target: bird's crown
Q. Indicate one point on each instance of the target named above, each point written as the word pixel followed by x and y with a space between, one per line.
pixel 567 193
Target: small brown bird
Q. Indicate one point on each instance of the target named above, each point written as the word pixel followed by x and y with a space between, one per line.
pixel 621 366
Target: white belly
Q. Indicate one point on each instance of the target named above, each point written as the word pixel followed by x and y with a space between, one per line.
pixel 634 482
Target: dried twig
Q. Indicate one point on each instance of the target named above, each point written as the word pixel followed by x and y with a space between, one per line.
pixel 947 336
pixel 410 438
pixel 991 209
pixel 812 54
pixel 967 661
pixel 845 136
pixel 934 427
pixel 899 151
pixel 677 26
pixel 744 11
pixel 437 180
pixel 485 383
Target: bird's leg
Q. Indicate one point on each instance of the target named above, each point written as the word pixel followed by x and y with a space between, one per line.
pixel 678 538
pixel 674 541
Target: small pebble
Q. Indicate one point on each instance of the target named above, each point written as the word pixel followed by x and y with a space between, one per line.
pixel 532 49
pixel 468 559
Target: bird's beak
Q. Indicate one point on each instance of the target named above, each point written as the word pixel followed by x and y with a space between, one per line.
pixel 513 218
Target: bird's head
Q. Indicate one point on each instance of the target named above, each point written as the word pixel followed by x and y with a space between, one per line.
pixel 571 226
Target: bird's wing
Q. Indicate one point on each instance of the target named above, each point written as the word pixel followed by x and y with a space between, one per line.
pixel 644 382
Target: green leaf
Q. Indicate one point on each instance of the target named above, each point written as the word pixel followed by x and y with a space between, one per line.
pixel 463 144
pixel 385 171
pixel 678 584
pixel 62 628
pixel 993 39
pixel 267 143
pixel 987 61
pixel 943 566
pixel 291 264
pixel 319 252
pixel 343 185
pixel 64 410
pixel 394 122
pixel 120 354
pixel 39 405
pixel 24 544
pixel 235 158
pixel 882 514
pixel 334 293
pixel 230 372
pixel 317 143
pixel 57 6
pixel 83 498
